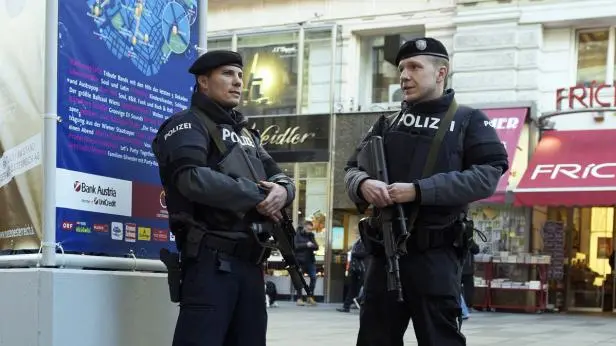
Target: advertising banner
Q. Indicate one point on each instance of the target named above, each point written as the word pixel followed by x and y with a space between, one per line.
pixel 270 79
pixel 22 97
pixel 122 70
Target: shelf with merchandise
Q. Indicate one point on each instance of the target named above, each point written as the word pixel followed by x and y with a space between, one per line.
pixel 496 286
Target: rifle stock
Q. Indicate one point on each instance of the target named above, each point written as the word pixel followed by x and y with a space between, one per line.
pixel 371 159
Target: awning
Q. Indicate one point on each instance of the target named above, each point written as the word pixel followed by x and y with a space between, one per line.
pixel 508 123
pixel 571 168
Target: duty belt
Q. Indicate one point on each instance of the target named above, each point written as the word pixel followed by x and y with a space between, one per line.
pixel 425 239
pixel 244 249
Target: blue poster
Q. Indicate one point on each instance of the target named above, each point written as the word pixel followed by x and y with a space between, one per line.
pixel 122 70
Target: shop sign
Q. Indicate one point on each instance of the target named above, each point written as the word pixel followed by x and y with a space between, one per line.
pixel 295 138
pixel 576 171
pixel 593 95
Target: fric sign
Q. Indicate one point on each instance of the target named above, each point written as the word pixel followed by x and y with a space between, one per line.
pixel 593 95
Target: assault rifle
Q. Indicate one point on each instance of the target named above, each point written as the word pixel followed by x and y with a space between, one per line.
pixel 283 233
pixel 371 159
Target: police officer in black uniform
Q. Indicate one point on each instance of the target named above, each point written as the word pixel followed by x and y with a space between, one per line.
pixel 214 215
pixel 467 168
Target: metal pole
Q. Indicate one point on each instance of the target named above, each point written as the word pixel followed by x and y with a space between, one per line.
pixel 84 261
pixel 300 70
pixel 202 26
pixel 50 127
pixel 332 159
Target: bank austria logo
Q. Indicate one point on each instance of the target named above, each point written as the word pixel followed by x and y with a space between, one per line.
pixel 104 195
pixel 94 193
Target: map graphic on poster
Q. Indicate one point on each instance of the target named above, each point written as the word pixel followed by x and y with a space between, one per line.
pixel 122 70
pixel 147 35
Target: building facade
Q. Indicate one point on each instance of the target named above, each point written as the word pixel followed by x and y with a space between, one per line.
pixel 560 56
pixel 516 60
pixel 309 60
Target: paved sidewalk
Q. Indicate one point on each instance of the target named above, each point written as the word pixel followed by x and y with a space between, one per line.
pixel 290 325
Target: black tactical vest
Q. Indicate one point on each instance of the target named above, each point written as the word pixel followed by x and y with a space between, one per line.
pixel 216 218
pixel 408 138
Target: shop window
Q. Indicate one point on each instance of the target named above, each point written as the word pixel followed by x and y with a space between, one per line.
pixel 316 87
pixel 312 195
pixel 586 241
pixel 288 169
pixel 379 77
pixel 594 62
pixel 505 228
pixel 270 73
pixel 219 43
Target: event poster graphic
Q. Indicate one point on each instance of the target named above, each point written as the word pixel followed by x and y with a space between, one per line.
pixel 122 70
pixel 22 98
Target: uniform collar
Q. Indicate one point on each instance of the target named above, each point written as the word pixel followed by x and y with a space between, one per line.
pixel 217 113
pixel 435 106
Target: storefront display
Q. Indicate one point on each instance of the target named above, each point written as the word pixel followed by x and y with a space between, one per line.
pixel 570 183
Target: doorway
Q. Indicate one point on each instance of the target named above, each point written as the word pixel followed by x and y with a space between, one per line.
pixel 590 283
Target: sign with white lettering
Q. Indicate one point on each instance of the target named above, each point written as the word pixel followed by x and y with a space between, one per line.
pixel 295 138
pixel 508 123
pixel 606 170
pixel 569 161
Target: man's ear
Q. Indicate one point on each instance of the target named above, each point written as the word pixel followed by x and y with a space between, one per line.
pixel 203 82
pixel 442 72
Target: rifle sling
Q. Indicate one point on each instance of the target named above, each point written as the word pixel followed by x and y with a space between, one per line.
pixel 433 155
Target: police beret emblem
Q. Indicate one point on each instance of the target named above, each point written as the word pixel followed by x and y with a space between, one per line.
pixel 421 44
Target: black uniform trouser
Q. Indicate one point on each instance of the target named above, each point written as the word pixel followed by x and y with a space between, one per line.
pixel 221 308
pixel 355 281
pixel 431 286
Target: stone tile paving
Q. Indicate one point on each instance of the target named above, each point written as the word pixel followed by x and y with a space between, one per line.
pixel 290 325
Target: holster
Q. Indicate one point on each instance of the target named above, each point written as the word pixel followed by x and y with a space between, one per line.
pixel 174 273
pixel 464 228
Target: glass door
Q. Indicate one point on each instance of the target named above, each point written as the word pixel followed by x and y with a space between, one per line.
pixel 590 279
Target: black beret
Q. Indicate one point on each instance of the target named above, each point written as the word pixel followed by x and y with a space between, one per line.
pixel 421 46
pixel 213 59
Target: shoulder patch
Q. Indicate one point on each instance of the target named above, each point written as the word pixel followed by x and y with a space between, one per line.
pixel 177 128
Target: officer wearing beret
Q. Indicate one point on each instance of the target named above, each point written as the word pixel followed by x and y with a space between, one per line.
pixel 213 214
pixel 467 168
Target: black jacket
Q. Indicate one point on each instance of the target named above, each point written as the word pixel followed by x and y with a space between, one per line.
pixel 303 253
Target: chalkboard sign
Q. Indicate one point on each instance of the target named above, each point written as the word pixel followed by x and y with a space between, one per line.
pixel 554 245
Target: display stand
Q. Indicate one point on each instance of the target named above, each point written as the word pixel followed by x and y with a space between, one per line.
pixel 483 285
pixel 540 288
pixel 538 265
